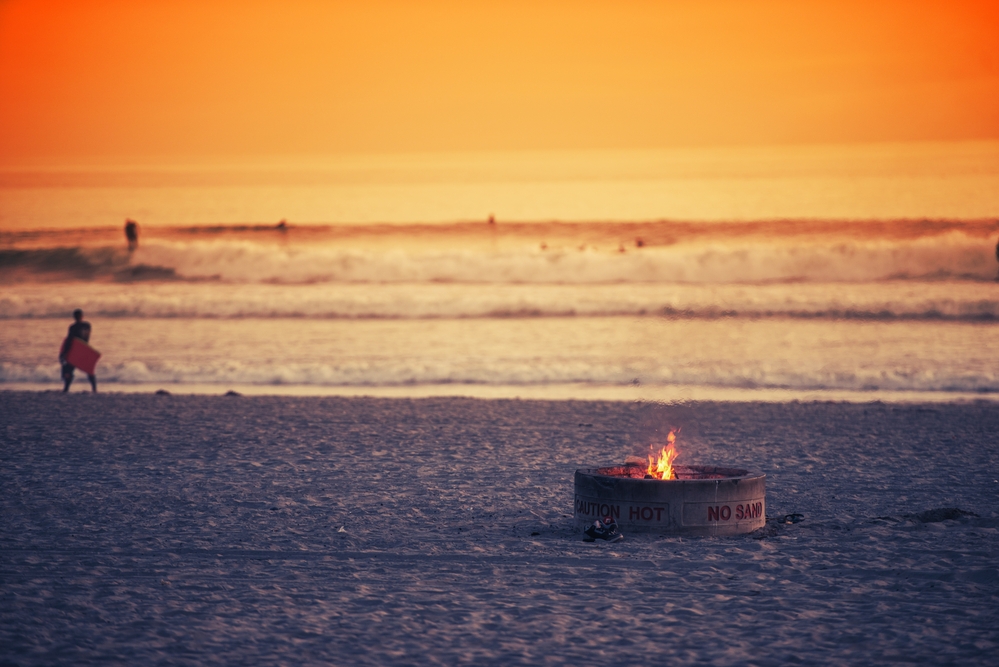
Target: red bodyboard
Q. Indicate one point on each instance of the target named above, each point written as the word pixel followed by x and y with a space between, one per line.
pixel 83 356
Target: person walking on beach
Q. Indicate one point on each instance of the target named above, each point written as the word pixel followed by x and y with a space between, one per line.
pixel 132 234
pixel 79 329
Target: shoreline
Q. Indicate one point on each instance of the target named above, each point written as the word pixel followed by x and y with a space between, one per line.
pixel 552 392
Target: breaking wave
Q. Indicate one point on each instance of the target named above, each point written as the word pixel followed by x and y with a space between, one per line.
pixel 590 255
pixel 709 263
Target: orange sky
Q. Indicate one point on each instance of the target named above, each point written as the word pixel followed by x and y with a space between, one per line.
pixel 96 79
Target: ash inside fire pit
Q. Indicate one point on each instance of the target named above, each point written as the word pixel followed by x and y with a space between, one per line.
pixel 697 500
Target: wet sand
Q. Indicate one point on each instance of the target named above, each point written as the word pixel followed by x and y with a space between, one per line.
pixel 144 529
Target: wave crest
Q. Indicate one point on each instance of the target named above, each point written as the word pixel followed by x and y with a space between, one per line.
pixel 953 255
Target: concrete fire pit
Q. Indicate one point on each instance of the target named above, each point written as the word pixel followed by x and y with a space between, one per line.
pixel 703 500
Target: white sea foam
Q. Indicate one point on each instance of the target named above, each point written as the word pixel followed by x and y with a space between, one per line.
pixel 800 306
pixel 543 253
pixel 945 299
pixel 364 374
pixel 775 353
pixel 951 255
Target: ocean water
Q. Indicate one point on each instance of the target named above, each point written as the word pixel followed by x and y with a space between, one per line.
pixel 935 180
pixel 888 301
pixel 792 306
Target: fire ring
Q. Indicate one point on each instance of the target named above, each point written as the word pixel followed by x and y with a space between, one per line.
pixel 702 500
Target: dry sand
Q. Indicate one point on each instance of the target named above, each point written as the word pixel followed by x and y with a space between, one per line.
pixel 143 529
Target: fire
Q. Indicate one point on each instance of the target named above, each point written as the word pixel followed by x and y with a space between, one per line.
pixel 661 466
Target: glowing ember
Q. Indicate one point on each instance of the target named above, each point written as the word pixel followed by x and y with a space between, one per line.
pixel 661 466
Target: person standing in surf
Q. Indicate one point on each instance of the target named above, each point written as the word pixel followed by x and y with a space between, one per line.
pixel 132 234
pixel 79 329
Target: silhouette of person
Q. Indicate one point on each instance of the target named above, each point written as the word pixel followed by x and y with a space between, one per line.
pixel 79 329
pixel 132 234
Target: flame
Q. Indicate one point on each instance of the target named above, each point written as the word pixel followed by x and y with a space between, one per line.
pixel 661 466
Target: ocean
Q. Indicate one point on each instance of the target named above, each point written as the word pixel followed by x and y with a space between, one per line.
pixel 825 273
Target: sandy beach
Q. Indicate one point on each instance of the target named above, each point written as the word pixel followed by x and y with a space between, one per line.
pixel 367 283
pixel 171 529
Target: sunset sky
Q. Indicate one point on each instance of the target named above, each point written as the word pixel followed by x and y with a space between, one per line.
pixel 140 80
